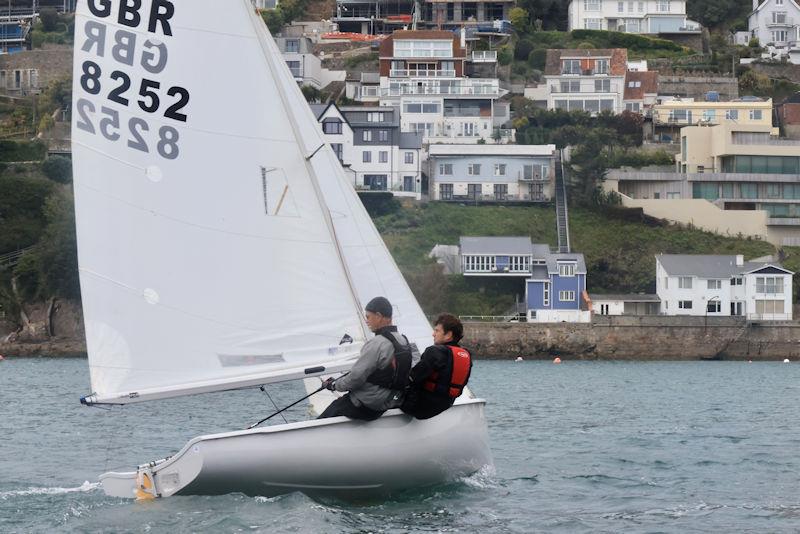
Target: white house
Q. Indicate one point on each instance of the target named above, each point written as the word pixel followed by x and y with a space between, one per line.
pixel 591 80
pixel 375 154
pixel 714 286
pixel 776 24
pixel 492 173
pixel 305 66
pixel 646 16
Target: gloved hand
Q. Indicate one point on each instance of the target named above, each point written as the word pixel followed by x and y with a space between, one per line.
pixel 330 384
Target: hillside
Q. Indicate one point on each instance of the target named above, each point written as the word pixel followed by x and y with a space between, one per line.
pixel 619 253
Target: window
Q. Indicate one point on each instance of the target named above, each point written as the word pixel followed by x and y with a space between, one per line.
pixel 736 281
pixel 630 7
pixel 375 182
pixel 709 115
pixel 635 107
pixel 685 282
pixel 732 114
pixel 500 191
pixel 332 126
pixel 641 7
pixel 662 6
pixel 566 269
pixel 292 45
pixel 714 284
pixel 445 169
pixel 713 306
pixel 383 156
pixel 602 86
pixel 779 17
pixel 474 191
pixel 445 191
pixel 408 183
pixel 620 7
pixel 294 66
pixel 409 157
pixel 601 66
pixel 366 156
pixel 592 5
pixel 499 169
pixel 592 24
pixel 337 149
pixel 755 114
pixel 769 284
pixel 366 135
pixel 474 169
pixel 684 304
pixel 764 307
pixel 420 48
pixel 383 135
pixel 375 116
pixel 421 107
pixel 778 2
pixel 633 84
pixel 566 296
pixel 571 86
pixel 571 66
pixel 666 282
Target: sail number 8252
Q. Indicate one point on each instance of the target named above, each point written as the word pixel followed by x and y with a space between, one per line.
pixel 109 126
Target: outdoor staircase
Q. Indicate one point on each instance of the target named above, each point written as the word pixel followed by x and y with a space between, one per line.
pixel 562 212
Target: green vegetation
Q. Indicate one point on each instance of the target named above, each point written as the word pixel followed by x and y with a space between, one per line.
pixel 287 12
pixel 53 27
pixel 22 151
pixel 619 246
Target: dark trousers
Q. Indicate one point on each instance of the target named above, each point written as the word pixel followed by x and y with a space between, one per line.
pixel 424 405
pixel 344 406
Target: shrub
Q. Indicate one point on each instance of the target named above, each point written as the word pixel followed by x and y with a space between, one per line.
pixel 537 58
pixel 49 18
pixel 58 169
pixel 504 56
pixel 523 50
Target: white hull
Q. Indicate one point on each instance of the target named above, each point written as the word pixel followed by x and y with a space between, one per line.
pixel 335 456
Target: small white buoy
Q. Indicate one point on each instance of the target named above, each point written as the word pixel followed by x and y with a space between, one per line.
pixel 557 360
pixel 519 359
pixel 786 360
pixel 1 358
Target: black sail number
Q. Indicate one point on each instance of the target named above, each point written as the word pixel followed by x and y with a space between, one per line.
pixel 148 91
pixel 183 100
pixel 124 85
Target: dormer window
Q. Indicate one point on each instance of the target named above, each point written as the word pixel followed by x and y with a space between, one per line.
pixel 566 268
pixel 422 48
pixel 601 66
pixel 571 66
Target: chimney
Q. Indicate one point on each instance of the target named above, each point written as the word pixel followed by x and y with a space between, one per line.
pixel 739 260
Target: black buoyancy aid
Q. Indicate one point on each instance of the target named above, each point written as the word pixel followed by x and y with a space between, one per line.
pixel 451 381
pixel 395 375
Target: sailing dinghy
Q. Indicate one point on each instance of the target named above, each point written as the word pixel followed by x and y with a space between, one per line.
pixel 221 247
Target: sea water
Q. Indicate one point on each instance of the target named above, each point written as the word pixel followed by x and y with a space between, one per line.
pixel 578 447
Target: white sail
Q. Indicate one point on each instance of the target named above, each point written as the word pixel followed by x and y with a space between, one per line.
pixel 207 258
pixel 372 269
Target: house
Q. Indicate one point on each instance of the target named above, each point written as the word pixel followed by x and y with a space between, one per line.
pixel 621 304
pixel 641 90
pixel 776 25
pixel 373 17
pixel 363 87
pixel 423 73
pixel 492 173
pixel 30 71
pixel 731 180
pixel 647 16
pixel 706 285
pixel 374 152
pixel 555 290
pixel 480 14
pixel 669 116
pixel 788 113
pixel 500 256
pixel 586 79
pixel 304 65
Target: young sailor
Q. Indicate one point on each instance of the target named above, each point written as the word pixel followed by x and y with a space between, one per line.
pixel 442 372
pixel 376 381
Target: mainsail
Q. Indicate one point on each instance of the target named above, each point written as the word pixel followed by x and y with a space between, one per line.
pixel 208 260
pixel 371 266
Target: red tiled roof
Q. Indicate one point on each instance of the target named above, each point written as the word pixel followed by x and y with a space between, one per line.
pixel 618 63
pixel 647 84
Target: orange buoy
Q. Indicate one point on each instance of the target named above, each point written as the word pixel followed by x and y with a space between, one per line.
pixel 557 360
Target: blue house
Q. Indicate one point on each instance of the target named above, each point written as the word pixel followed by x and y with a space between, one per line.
pixel 554 291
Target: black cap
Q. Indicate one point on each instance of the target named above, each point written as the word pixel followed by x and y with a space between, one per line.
pixel 380 305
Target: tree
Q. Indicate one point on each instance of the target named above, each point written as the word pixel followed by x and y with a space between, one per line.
pixel 311 93
pixel 519 19
pixel 49 18
pixel 273 18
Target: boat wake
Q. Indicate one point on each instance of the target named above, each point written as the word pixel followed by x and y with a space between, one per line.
pixel 86 487
pixel 484 478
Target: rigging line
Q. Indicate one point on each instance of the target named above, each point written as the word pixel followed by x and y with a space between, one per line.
pixel 264 389
pixel 269 48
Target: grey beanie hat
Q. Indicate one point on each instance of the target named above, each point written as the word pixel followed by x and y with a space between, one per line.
pixel 380 305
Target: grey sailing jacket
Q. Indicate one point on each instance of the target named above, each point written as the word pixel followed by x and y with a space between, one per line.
pixel 375 354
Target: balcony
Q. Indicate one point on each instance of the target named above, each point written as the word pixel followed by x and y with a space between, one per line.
pixel 584 72
pixel 492 198
pixel 457 87
pixel 534 178
pixel 421 73
pixel 780 21
pixel 589 89
pixel 485 56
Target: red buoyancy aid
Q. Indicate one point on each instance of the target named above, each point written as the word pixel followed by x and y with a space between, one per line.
pixel 454 377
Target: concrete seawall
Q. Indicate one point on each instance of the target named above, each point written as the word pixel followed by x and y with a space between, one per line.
pixel 637 338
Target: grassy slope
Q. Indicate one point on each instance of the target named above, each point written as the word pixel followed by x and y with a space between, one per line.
pixel 619 254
